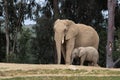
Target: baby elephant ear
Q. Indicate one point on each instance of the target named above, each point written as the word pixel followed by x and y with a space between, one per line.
pixel 79 49
pixel 72 32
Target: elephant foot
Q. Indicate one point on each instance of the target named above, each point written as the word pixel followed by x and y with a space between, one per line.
pixel 67 63
pixel 81 65
pixel 96 65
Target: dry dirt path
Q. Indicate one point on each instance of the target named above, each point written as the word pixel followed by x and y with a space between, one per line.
pixel 8 70
pixel 14 66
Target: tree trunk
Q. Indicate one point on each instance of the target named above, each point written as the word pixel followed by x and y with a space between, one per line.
pixel 110 33
pixel 18 24
pixel 6 30
pixel 56 9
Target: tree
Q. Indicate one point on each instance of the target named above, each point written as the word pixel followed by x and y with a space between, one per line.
pixel 56 9
pixel 13 22
pixel 81 11
pixel 110 33
pixel 6 29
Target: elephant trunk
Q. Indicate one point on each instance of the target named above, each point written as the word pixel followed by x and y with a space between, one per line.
pixel 58 41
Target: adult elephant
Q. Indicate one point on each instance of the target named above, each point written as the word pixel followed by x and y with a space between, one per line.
pixel 73 35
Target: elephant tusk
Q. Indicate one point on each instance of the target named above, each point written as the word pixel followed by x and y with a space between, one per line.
pixel 62 41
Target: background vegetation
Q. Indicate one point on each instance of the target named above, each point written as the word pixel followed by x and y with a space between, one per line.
pixel 36 44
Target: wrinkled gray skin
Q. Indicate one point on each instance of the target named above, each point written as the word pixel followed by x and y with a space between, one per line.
pixel 86 54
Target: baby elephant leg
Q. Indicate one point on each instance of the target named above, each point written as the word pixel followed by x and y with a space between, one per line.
pixel 90 63
pixel 95 64
pixel 82 59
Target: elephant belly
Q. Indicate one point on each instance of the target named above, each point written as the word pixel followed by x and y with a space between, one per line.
pixel 89 58
pixel 85 42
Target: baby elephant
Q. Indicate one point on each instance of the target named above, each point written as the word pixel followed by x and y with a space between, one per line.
pixel 86 54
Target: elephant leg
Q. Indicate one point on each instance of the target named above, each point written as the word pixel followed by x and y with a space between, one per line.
pixel 63 51
pixel 95 60
pixel 71 60
pixel 69 49
pixel 82 59
pixel 90 63
pixel 95 64
pixel 59 58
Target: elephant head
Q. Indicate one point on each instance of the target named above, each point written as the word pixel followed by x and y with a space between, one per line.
pixel 78 52
pixel 81 51
pixel 62 30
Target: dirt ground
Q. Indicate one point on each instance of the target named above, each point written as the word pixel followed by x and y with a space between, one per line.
pixel 27 67
pixel 14 66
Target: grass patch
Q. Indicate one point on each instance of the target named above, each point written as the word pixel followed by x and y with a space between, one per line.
pixel 66 78
pixel 60 74
pixel 108 72
pixel 41 71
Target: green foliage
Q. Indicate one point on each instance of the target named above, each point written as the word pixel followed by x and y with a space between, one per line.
pixel 37 45
pixel 2 46
pixel 24 47
pixel 102 47
pixel 43 43
pixel 116 51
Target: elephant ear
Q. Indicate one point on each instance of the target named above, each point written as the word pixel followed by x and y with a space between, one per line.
pixel 81 51
pixel 71 32
pixel 57 21
pixel 68 22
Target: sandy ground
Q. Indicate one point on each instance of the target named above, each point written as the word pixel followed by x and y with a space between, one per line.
pixel 26 67
pixel 14 66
